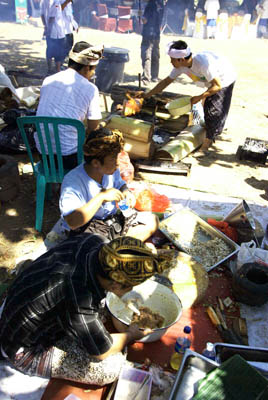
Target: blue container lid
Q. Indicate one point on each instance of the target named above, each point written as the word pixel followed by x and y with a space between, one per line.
pixel 187 329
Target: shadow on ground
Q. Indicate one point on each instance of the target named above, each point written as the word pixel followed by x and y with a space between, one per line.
pixel 21 56
pixel 18 219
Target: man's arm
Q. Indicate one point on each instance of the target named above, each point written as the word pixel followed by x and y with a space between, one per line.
pixel 92 124
pixel 215 86
pixel 158 88
pixel 121 340
pixel 65 3
pixel 85 213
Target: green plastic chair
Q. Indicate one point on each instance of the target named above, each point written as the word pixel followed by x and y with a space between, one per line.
pixel 47 173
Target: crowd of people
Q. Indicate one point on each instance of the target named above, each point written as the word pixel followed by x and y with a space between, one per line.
pixel 51 321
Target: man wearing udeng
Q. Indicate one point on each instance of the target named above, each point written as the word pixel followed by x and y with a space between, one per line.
pixel 206 69
pixel 51 325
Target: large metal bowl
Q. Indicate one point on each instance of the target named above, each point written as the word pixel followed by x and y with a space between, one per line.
pixel 157 297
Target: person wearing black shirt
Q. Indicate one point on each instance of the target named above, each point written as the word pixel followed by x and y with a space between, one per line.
pixel 150 54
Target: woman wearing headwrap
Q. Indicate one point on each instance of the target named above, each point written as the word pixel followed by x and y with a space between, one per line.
pixel 89 193
pixel 51 324
pixel 208 70
pixel 70 94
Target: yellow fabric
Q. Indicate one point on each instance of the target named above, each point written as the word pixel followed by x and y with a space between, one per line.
pixel 130 262
pixel 200 22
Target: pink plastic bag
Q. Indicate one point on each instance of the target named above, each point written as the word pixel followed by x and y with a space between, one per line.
pixel 125 166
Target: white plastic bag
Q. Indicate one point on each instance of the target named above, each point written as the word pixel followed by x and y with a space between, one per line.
pixel 249 253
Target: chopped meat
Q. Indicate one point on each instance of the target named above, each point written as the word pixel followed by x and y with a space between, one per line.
pixel 148 319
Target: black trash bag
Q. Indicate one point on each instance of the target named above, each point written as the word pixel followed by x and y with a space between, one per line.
pixel 10 116
pixel 11 141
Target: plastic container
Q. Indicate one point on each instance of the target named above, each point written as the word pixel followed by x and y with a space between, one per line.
pixel 182 344
pixel 110 69
pixel 124 207
pixel 133 383
pixel 264 243
pixel 198 114
pixel 179 107
pixel 209 351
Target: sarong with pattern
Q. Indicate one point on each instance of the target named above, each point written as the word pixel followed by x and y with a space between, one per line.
pixel 216 109
pixel 67 360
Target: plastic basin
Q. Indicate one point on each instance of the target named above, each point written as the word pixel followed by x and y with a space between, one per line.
pixel 179 107
pixel 158 298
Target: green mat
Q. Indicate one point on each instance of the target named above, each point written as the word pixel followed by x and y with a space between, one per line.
pixel 235 379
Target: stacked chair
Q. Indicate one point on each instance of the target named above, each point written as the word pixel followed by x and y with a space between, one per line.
pixel 125 23
pixel 105 23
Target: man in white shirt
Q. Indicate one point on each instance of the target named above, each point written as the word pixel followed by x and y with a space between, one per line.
pixel 70 25
pixel 212 7
pixel 208 70
pixel 262 11
pixel 53 15
pixel 69 94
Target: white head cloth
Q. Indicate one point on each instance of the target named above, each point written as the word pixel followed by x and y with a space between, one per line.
pixel 89 56
pixel 175 53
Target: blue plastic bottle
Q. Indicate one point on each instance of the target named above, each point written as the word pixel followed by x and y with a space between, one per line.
pixel 182 344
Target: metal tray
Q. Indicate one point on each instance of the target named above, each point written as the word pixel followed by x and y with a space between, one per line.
pixel 256 356
pixel 193 367
pixel 183 223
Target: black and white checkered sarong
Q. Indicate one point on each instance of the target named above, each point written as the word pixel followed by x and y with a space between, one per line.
pixel 216 109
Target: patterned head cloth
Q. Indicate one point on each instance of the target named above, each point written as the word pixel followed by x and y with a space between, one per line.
pixel 89 56
pixel 128 261
pixel 101 146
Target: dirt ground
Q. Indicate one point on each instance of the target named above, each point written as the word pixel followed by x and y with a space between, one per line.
pixel 21 46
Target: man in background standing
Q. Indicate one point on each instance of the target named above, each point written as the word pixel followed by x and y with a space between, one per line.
pixel 262 11
pixel 152 21
pixel 54 24
pixel 70 26
pixel 212 7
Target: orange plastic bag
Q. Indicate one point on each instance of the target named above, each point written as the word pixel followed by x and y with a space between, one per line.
pixel 125 167
pixel 150 200
pixel 224 227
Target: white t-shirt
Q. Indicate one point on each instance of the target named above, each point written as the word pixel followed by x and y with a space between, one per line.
pixel 205 67
pixel 262 9
pixel 69 21
pixel 212 7
pixel 68 94
pixel 58 26
pixel 45 7
pixel 78 189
